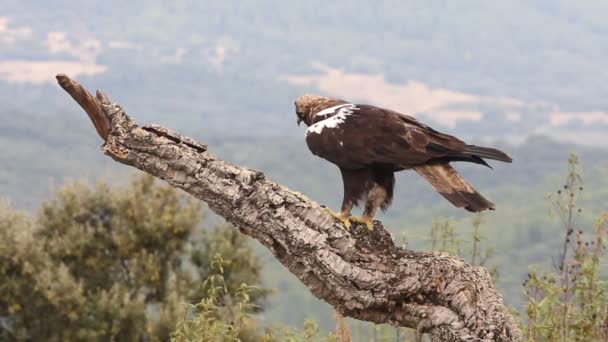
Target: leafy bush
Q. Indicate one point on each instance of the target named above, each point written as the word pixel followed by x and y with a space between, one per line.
pixel 570 302
pixel 109 263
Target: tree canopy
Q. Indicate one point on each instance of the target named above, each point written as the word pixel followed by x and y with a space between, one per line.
pixel 112 263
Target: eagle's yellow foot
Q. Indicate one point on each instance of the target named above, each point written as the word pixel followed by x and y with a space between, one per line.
pixel 345 221
pixel 365 220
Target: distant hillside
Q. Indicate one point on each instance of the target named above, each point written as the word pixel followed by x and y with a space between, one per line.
pixel 480 69
pixel 38 150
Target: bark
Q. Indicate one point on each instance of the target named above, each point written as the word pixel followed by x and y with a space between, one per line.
pixel 362 275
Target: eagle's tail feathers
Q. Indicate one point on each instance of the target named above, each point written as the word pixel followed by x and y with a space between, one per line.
pixel 453 187
pixel 487 152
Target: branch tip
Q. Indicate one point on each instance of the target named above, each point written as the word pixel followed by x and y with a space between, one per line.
pixel 91 105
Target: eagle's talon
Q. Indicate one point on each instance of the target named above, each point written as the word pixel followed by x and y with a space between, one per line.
pixel 366 221
pixel 345 220
pixel 370 225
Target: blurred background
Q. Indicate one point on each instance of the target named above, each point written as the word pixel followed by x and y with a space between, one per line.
pixel 528 77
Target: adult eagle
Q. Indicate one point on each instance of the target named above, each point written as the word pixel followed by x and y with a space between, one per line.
pixel 369 144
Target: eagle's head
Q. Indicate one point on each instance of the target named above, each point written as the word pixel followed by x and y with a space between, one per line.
pixel 308 105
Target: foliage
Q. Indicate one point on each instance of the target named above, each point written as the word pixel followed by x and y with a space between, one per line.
pixel 109 263
pixel 570 303
pixel 210 322
pixel 224 314
pixel 444 237
pixel 238 267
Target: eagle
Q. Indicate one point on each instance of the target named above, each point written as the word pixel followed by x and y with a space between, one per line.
pixel 369 144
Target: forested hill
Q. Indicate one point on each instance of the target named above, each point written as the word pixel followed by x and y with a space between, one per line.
pixel 480 69
pixel 37 156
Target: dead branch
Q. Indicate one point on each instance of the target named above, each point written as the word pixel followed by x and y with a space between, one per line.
pixel 362 275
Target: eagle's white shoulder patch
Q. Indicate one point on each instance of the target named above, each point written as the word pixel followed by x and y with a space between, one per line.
pixel 337 116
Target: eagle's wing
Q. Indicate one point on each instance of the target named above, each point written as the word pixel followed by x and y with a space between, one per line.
pixel 363 135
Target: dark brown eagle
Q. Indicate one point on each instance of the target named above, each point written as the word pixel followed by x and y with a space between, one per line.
pixel 369 144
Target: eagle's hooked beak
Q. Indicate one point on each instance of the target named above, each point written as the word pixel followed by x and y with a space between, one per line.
pixel 299 120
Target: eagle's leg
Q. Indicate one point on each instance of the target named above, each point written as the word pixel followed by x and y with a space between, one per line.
pixel 355 186
pixel 379 195
pixel 375 197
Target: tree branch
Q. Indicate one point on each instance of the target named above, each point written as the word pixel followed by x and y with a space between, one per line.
pixel 362 275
